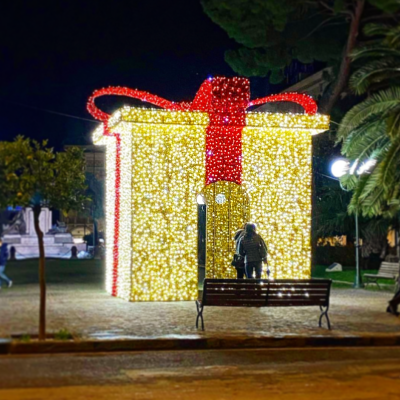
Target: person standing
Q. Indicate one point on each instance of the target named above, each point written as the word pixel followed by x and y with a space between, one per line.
pixel 394 303
pixel 3 262
pixel 252 247
pixel 240 266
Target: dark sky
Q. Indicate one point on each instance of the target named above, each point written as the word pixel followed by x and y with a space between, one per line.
pixel 55 53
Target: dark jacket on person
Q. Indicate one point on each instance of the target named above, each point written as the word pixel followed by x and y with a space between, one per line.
pixel 252 248
pixel 3 254
pixel 238 236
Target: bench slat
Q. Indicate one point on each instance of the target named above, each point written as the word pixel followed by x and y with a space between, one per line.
pixel 312 281
pixel 321 302
pixel 242 304
pixel 210 286
pixel 256 281
pixel 386 264
pixel 264 294
pixel 266 288
pixel 389 269
pixel 277 295
pixel 258 303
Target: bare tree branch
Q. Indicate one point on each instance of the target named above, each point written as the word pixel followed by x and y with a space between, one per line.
pixel 333 11
pixel 328 7
pixel 320 26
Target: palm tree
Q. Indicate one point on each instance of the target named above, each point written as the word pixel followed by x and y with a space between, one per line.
pixel 371 129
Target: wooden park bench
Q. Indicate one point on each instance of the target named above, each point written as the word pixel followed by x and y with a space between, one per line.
pixel 265 293
pixel 387 270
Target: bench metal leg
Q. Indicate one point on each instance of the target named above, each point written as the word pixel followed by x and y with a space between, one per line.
pixel 369 280
pixel 324 312
pixel 376 283
pixel 199 315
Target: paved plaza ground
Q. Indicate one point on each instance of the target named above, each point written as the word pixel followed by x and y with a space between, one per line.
pixel 88 311
pixel 76 301
pixel 256 374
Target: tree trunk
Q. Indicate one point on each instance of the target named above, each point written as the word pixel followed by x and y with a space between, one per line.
pixel 344 70
pixel 42 277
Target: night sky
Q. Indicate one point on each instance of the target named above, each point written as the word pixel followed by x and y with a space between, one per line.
pixel 55 53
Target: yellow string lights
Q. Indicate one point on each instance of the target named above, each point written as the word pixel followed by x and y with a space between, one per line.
pixel 162 170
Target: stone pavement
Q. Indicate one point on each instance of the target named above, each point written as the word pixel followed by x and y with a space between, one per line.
pixel 89 312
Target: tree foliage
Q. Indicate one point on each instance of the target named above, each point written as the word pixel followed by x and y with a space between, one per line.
pixel 33 175
pixel 331 217
pixel 371 129
pixel 377 59
pixel 272 34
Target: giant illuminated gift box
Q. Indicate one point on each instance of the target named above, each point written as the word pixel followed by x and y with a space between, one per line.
pixel 248 166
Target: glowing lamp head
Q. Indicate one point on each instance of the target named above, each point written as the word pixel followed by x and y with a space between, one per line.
pixel 200 199
pixel 340 168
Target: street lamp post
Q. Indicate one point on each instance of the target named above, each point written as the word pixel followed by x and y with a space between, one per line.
pixel 339 168
pixel 358 281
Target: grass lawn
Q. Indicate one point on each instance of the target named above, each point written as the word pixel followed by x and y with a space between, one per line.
pixel 57 271
pixel 92 271
pixel 348 275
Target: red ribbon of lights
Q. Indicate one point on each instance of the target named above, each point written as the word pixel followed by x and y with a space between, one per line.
pixel 226 101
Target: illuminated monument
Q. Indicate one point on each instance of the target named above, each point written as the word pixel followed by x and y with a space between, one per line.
pixel 248 166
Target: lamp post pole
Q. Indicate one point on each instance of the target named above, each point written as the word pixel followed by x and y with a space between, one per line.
pixel 339 168
pixel 358 281
pixel 94 223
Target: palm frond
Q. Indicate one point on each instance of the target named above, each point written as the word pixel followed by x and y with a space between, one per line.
pixel 378 104
pixel 376 29
pixel 349 182
pixel 375 51
pixel 373 72
pixel 394 198
pixel 378 193
pixel 393 203
pixel 393 37
pixel 390 164
pixel 369 195
pixel 372 181
pixel 354 204
pixel 363 141
pixel 393 123
pixel 374 204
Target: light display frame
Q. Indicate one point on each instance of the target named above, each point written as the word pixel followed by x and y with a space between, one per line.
pixel 223 140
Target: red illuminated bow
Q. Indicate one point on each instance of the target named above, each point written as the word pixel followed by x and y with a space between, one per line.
pixel 202 101
pixel 225 100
